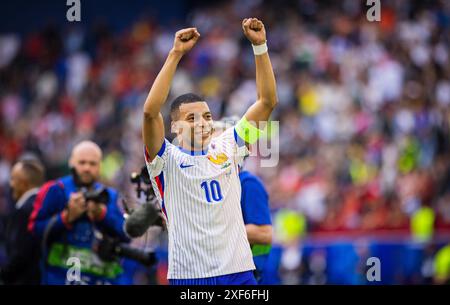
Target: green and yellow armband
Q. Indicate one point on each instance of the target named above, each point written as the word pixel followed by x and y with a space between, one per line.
pixel 247 132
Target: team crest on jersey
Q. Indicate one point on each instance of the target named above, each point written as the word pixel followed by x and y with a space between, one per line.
pixel 220 159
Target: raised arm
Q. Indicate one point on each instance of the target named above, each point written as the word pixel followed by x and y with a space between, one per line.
pixel 265 80
pixel 153 125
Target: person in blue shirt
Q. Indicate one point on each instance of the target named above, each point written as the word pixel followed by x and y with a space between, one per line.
pixel 255 210
pixel 68 225
pixel 256 213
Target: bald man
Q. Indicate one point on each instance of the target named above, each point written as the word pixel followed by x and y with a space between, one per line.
pixel 66 223
pixel 22 251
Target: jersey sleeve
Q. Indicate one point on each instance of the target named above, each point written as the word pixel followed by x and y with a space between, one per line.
pixel 158 164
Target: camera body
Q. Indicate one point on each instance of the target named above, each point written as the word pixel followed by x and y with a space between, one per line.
pixel 99 195
pixel 142 179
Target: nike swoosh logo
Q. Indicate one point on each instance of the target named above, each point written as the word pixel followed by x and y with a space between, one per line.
pixel 182 165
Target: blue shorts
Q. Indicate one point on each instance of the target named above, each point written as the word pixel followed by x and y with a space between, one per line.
pixel 241 278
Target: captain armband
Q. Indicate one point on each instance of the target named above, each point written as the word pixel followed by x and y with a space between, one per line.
pixel 247 132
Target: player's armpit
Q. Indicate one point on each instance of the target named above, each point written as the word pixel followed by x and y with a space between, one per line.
pixel 153 134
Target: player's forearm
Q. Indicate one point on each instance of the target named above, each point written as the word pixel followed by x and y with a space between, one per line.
pixel 161 86
pixel 265 81
pixel 259 234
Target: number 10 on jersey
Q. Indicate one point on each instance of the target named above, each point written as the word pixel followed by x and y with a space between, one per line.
pixel 212 190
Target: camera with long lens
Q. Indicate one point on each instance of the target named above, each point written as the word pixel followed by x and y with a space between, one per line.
pixel 107 247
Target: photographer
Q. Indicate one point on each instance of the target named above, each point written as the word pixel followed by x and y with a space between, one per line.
pixel 68 216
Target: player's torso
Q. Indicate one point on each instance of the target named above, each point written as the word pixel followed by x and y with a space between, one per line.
pixel 201 201
pixel 202 188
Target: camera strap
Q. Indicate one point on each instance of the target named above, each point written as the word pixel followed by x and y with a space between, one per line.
pixel 48 228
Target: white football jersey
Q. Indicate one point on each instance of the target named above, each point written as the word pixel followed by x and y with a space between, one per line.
pixel 200 197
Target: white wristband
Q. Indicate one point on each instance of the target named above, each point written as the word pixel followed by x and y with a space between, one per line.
pixel 260 49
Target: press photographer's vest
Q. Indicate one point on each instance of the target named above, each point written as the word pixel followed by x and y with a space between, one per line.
pixel 82 232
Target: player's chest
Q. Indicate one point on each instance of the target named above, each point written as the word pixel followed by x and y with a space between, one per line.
pixel 206 179
pixel 202 167
pixel 215 162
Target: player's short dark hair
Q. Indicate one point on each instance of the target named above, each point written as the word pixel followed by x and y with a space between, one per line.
pixel 183 99
pixel 34 171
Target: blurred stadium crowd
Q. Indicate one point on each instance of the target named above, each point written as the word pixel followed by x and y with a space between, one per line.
pixel 363 107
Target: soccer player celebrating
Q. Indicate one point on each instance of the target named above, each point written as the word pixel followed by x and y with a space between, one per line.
pixel 197 181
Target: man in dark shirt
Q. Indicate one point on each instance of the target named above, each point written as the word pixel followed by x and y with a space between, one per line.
pixel 22 250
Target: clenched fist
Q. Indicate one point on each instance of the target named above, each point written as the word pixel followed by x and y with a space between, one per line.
pixel 254 30
pixel 185 39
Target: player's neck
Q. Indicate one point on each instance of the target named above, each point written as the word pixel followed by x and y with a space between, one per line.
pixel 193 149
